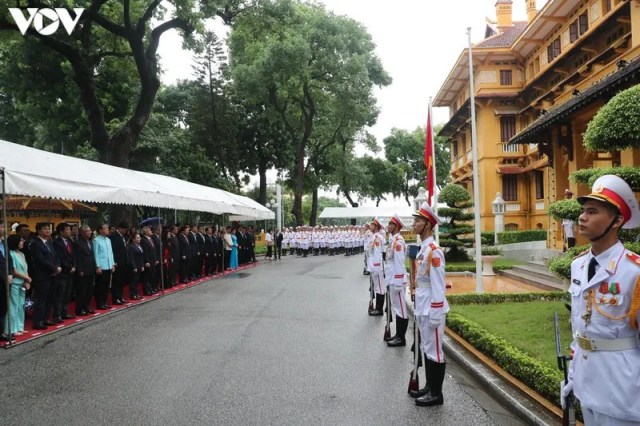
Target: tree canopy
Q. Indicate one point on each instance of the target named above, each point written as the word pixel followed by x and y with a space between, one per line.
pixel 616 126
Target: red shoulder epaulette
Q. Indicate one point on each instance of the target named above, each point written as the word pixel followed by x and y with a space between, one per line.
pixel 433 246
pixel 634 258
pixel 582 254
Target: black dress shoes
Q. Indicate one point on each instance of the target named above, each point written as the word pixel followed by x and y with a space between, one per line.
pixel 117 302
pixel 396 341
pixel 58 320
pixel 420 392
pixel 66 317
pixel 39 327
pixel 83 313
pixel 6 338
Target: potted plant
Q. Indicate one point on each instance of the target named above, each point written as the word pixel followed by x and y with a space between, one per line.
pixel 489 255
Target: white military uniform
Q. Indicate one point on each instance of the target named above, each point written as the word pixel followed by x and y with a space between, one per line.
pixel 605 371
pixel 431 302
pixel 396 275
pixel 374 259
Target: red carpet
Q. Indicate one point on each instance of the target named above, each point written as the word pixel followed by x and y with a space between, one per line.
pixel 34 334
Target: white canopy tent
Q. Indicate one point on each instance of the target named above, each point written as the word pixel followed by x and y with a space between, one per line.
pixel 33 172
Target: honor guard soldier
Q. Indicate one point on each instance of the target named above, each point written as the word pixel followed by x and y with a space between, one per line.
pixel 430 306
pixel 375 267
pixel 396 272
pixel 604 373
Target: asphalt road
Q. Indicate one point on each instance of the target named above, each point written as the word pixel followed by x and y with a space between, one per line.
pixel 286 343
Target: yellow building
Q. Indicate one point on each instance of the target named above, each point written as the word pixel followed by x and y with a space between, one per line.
pixel 537 85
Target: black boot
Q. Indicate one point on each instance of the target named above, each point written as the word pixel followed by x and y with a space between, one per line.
pixel 428 379
pixel 434 397
pixel 377 312
pixel 401 330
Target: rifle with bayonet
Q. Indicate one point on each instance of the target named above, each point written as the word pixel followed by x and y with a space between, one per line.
pixel 569 409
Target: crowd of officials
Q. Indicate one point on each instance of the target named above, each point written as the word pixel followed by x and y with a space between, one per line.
pixel 70 263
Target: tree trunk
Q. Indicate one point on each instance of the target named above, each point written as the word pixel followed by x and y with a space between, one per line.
pixel 262 173
pixel 314 208
pixel 299 188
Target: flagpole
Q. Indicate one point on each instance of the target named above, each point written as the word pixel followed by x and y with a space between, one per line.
pixel 433 156
pixel 476 178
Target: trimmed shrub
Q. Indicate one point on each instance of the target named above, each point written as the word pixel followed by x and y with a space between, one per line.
pixel 565 209
pixel 588 176
pixel 561 266
pixel 491 251
pixel 495 298
pixel 511 237
pixel 534 373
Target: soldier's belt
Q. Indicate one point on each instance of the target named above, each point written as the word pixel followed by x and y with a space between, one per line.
pixel 422 284
pixel 621 344
pixel 399 276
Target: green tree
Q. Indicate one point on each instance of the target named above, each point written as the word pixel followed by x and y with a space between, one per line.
pixel 300 60
pixel 453 231
pixel 406 149
pixel 616 126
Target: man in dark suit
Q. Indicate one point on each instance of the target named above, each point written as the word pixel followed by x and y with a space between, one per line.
pixel 240 236
pixel 279 237
pixel 202 250
pixel 4 282
pixel 85 271
pixel 119 246
pixel 252 244
pixel 193 251
pixel 217 253
pixel 62 292
pixel 174 254
pixel 185 253
pixel 46 267
pixel 157 241
pixel 150 256
pixel 209 260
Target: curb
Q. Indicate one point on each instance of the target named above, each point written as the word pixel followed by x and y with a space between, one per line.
pixel 523 408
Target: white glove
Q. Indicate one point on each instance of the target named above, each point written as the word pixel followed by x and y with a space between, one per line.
pixel 435 321
pixel 565 390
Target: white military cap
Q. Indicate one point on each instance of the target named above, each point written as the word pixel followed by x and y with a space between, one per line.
pixel 616 191
pixel 427 213
pixel 396 219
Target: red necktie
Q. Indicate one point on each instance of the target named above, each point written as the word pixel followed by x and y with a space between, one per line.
pixel 68 246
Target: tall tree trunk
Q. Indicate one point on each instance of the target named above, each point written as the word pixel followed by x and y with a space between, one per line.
pixel 262 173
pixel 314 208
pixel 299 187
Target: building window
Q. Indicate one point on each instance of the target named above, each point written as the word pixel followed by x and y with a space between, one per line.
pixel 583 21
pixel 463 138
pixel 505 78
pixel 507 127
pixel 606 6
pixel 510 187
pixel 573 31
pixel 553 50
pixel 539 185
pixel 454 149
pixel 511 227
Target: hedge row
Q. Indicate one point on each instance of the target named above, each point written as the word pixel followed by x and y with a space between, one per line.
pixel 494 298
pixel 561 266
pixel 534 373
pixel 511 237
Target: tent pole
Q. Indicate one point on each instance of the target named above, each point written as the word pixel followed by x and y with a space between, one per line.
pixel 6 255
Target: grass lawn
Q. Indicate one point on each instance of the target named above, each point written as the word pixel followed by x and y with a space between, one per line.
pixel 499 264
pixel 527 325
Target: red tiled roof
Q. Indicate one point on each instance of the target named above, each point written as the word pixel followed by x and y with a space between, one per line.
pixel 45 204
pixel 506 38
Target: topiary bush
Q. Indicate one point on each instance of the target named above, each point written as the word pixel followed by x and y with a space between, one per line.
pixel 616 126
pixel 456 198
pixel 565 209
pixel 587 176
pixel 561 266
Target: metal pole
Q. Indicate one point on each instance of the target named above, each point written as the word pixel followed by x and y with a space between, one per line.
pixel 433 155
pixel 6 255
pixel 279 206
pixel 476 178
